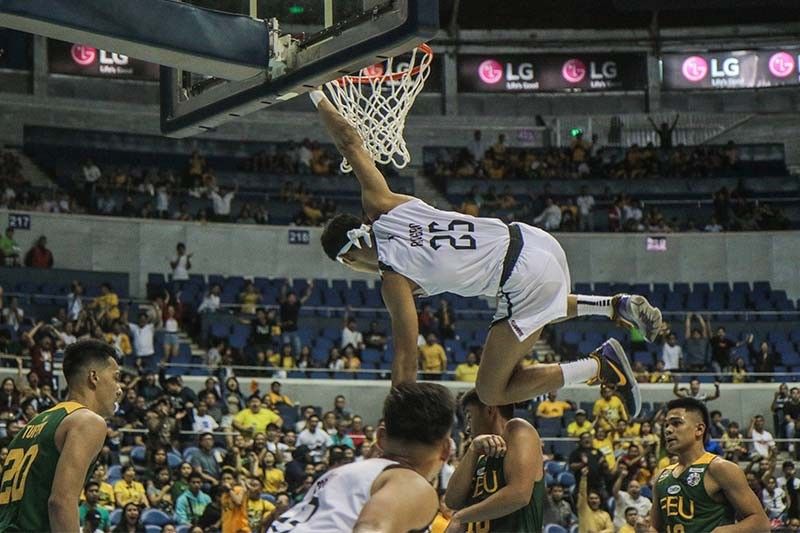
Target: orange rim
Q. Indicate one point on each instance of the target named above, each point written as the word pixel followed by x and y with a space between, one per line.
pixel 426 60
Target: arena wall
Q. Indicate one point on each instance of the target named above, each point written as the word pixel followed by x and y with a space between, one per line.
pixel 139 247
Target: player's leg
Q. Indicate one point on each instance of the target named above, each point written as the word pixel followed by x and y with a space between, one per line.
pixel 502 380
pixel 631 310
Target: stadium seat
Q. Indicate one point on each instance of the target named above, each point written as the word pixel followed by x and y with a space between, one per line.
pixel 174 460
pixel 155 517
pixel 138 454
pixel 554 528
pixel 115 516
pixel 152 529
pixel 183 529
pixel 554 468
pixel 114 473
pixel 566 479
pixel 189 452
pixel 563 448
pixel 549 427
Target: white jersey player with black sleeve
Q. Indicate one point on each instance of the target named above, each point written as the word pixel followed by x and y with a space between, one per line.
pixel 444 251
pixel 334 502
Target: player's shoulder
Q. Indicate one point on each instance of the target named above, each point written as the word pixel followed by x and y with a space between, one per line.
pixel 85 420
pixel 720 468
pixel 403 479
pixel 520 428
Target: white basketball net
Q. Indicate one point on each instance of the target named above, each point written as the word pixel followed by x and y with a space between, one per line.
pixel 376 103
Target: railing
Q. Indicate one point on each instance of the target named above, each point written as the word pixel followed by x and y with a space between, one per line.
pixel 383 374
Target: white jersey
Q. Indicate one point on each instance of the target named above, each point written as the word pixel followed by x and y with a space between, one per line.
pixel 442 251
pixel 334 501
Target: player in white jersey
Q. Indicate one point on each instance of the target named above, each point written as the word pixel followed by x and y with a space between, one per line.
pixel 393 493
pixel 420 250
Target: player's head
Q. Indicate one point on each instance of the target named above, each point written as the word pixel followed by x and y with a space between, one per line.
pixel 480 417
pixel 686 425
pixel 418 418
pixel 92 374
pixel 347 240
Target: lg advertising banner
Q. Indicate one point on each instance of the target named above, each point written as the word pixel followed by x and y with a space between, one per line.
pixel 523 73
pixel 15 50
pixel 83 60
pixel 743 69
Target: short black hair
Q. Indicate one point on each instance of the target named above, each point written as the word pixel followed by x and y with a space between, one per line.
pixel 89 484
pixel 79 355
pixel 334 236
pixel 471 398
pixel 695 406
pixel 419 412
pixel 195 475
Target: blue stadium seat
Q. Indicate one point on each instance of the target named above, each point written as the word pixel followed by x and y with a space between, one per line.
pixel 562 448
pixel 114 473
pixel 566 479
pixel 152 529
pixel 138 454
pixel 114 517
pixel 183 529
pixel 174 460
pixel 554 468
pixel 554 528
pixel 155 517
pixel 189 451
pixel 549 427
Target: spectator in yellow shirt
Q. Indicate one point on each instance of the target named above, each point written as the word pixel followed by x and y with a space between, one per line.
pixel 605 445
pixel 591 519
pixel 255 418
pixel 119 339
pixel 433 358
pixel 553 408
pixel 274 480
pixel 580 425
pixel 275 396
pixel 233 504
pixel 128 490
pixel 259 511
pixel 107 304
pixel 610 407
pixel 468 371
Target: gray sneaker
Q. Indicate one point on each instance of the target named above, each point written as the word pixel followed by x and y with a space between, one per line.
pixel 635 311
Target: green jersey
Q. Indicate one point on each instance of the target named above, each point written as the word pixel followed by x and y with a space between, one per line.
pixel 29 470
pixel 488 478
pixel 684 504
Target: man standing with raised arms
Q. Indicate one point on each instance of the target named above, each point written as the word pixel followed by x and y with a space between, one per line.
pixel 49 460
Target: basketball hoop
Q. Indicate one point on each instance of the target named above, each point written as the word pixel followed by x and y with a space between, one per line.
pixel 376 101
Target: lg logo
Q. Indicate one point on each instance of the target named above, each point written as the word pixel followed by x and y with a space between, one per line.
pixel 696 68
pixel 85 55
pixel 574 70
pixel 490 71
pixel 781 65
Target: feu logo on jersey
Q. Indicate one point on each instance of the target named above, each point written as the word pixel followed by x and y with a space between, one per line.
pixel 486 482
pixel 675 505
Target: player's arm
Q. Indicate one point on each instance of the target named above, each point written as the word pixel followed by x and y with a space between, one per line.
pixel 401 500
pixel 376 197
pixel 82 435
pixel 399 299
pixel 656 524
pixel 460 484
pixel 750 512
pixel 522 465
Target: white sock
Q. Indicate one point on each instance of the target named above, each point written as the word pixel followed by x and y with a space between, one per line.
pixel 595 305
pixel 579 371
pixel 317 96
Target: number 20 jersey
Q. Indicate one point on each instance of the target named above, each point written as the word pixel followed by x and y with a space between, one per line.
pixel 334 502
pixel 442 251
pixel 29 470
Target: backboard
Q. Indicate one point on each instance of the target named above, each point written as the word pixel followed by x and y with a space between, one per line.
pixel 310 42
